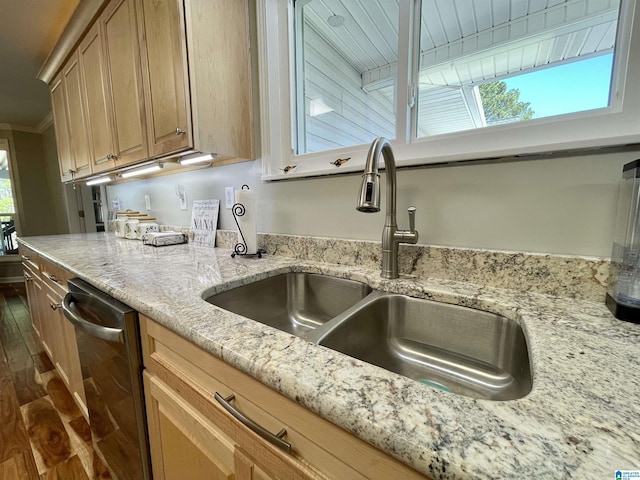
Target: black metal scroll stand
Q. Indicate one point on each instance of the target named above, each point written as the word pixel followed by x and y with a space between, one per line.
pixel 241 247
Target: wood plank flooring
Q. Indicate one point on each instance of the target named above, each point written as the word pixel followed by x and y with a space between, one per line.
pixel 43 435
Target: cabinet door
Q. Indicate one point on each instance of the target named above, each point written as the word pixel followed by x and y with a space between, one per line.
pixel 120 38
pixel 33 287
pixel 182 440
pixel 165 74
pixel 59 339
pixel 92 65
pixel 220 77
pixel 58 103
pixel 53 333
pixel 78 135
pixel 246 469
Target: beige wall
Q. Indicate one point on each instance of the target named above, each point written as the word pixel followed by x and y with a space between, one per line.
pixel 57 190
pixel 561 205
pixel 37 205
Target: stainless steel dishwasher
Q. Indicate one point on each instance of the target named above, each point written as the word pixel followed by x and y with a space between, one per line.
pixel 109 346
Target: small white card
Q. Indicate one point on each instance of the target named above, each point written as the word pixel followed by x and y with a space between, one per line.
pixel 204 222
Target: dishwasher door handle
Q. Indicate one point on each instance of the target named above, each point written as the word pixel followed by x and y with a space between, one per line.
pixel 110 334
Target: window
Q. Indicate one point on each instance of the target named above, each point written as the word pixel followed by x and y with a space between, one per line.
pixel 7 206
pixel 445 80
pixel 486 63
pixel 346 73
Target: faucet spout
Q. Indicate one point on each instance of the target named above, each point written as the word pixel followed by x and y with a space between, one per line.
pixel 369 202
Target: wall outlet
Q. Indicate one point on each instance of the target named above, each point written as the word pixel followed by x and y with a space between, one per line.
pixel 147 202
pixel 229 195
pixel 182 196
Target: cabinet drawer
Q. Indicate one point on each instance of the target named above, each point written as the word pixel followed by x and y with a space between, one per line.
pixel 30 272
pixel 54 276
pixel 327 447
pixel 29 257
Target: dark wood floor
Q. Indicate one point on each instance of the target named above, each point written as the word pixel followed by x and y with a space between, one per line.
pixel 43 434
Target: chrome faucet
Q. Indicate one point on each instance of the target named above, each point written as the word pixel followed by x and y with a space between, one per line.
pixel 369 202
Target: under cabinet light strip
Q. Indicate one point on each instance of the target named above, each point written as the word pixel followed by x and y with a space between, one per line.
pixel 99 180
pixel 141 171
pixel 199 159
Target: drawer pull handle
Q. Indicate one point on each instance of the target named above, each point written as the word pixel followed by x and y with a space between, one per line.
pixel 54 306
pixel 25 258
pixel 264 433
pixel 53 278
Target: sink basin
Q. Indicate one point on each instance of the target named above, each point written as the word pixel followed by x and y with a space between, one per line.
pixel 458 349
pixel 296 303
pixel 453 348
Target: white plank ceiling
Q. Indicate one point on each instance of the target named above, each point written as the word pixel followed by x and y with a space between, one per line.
pixel 515 35
pixel 464 43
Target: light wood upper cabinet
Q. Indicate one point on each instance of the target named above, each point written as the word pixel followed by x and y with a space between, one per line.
pixel 219 49
pixel 77 127
pixel 98 119
pixel 67 99
pixel 124 77
pixel 166 75
pixel 154 78
pixel 110 62
pixel 58 102
pixel 204 103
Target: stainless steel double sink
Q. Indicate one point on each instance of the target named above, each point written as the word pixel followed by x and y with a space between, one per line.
pixel 457 349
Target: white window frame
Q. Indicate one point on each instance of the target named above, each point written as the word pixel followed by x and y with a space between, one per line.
pixel 618 124
pixel 5 144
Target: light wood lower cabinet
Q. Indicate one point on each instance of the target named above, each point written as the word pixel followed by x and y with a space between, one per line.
pixel 183 440
pixel 33 285
pixel 191 432
pixel 46 287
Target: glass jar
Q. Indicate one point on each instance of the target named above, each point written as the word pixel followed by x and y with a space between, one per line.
pixel 146 225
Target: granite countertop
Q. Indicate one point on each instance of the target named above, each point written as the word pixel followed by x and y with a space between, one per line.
pixel 581 419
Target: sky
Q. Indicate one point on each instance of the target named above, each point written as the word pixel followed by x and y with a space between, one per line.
pixel 573 87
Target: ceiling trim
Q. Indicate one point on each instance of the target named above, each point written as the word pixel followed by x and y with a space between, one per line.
pixel 42 126
pixel 80 20
pixel 17 128
pixel 45 123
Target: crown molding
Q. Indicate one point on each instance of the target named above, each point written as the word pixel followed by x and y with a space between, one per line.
pixel 40 129
pixel 45 123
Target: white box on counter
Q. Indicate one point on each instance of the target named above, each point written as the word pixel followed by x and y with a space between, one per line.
pixel 161 239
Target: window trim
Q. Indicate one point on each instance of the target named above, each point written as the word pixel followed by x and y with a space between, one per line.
pixel 618 124
pixel 7 145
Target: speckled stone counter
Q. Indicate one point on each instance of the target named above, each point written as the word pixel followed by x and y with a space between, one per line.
pixel 581 419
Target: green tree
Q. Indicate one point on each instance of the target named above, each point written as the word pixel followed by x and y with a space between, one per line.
pixel 6 198
pixel 502 104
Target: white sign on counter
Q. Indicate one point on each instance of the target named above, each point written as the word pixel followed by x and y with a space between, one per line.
pixel 204 222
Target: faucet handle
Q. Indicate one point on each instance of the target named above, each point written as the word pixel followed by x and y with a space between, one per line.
pixel 412 218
